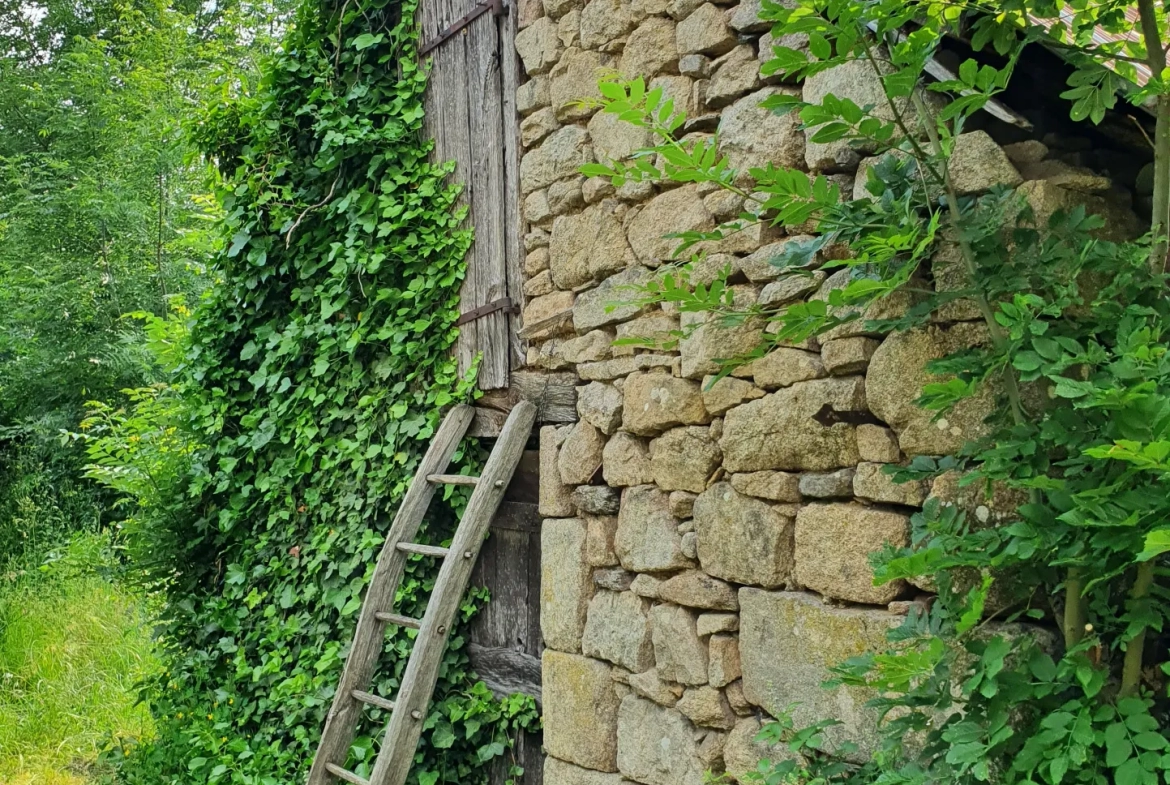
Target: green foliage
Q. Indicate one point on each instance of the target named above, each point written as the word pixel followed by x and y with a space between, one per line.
pixel 145 451
pixel 264 477
pixel 42 500
pixel 806 754
pixel 73 645
pixel 100 214
pixel 1075 352
pixel 96 208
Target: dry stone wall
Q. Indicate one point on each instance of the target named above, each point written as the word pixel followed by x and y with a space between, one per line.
pixel 705 548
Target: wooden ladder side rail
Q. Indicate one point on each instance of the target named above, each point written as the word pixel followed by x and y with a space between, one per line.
pixel 418 682
pixel 341 723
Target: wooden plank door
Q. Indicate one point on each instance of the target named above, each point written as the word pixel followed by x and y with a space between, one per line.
pixel 471 115
pixel 470 105
pixel 505 638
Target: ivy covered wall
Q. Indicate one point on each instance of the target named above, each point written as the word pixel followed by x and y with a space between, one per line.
pixel 319 367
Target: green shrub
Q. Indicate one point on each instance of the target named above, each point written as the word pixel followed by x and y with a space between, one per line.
pixel 43 499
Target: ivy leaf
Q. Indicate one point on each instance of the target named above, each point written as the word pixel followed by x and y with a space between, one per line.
pixel 443 736
pixel 490 751
pixel 366 40
pixel 239 240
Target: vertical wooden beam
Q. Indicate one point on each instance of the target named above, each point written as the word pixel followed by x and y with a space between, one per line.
pixel 487 277
pixel 514 226
pixel 505 637
pixel 446 122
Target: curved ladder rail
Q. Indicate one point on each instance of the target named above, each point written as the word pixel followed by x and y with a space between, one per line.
pixel 408 709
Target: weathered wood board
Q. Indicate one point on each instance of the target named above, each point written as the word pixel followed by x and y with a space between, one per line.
pixel 555 396
pixel 471 114
pixel 470 105
pixel 505 638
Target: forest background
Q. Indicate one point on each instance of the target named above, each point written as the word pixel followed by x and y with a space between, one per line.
pixel 105 211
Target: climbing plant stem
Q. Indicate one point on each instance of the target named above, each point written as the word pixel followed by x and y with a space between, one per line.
pixel 1075 612
pixel 1131 671
pixel 1156 58
pixel 998 339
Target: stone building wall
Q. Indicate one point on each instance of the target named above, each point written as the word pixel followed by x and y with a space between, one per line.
pixel 705 551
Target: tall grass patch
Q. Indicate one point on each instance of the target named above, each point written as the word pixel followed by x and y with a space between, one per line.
pixel 73 646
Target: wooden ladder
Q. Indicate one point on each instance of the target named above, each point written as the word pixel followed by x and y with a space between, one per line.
pixel 409 708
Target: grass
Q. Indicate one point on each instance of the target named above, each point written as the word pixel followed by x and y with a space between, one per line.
pixel 73 645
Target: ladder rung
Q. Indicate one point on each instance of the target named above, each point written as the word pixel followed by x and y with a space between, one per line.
pixel 373 700
pixel 451 479
pixel 401 621
pixel 342 774
pixel 422 550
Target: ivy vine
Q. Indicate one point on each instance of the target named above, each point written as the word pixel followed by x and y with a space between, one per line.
pixel 316 372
